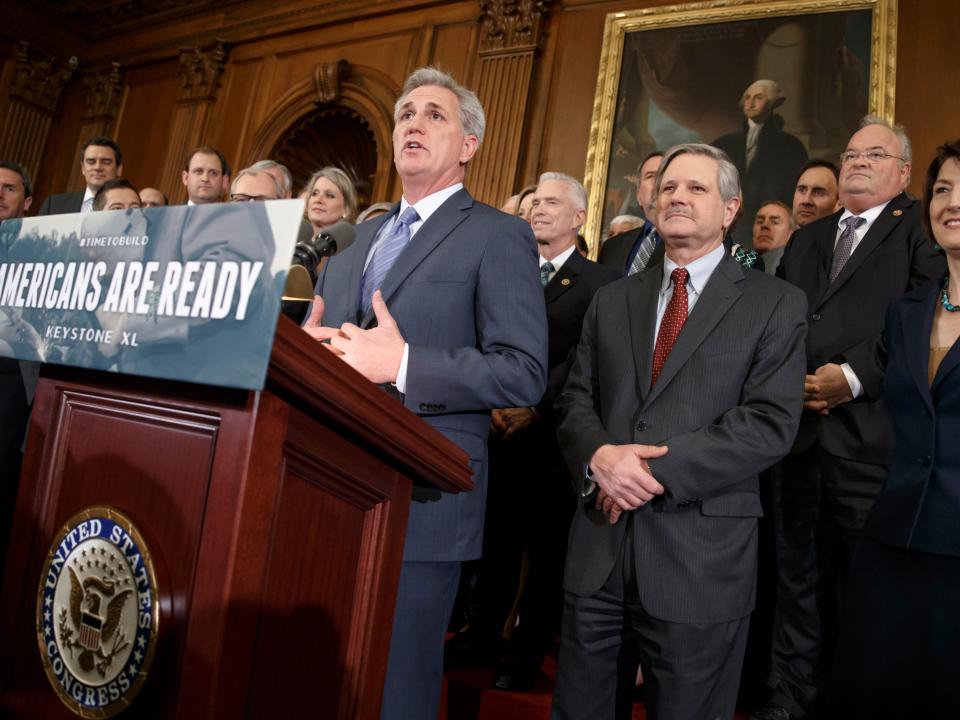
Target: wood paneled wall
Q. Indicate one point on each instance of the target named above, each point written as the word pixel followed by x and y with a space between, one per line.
pixel 269 49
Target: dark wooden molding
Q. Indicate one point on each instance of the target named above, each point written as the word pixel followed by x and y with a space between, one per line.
pixel 39 78
pixel 200 71
pixel 103 92
pixel 511 24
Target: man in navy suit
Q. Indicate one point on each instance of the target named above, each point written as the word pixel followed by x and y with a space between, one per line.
pixel 100 160
pixel 620 252
pixel 465 332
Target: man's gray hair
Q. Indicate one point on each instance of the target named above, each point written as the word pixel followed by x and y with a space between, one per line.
pixel 906 149
pixel 268 165
pixel 472 119
pixel 255 173
pixel 728 179
pixel 776 93
pixel 577 192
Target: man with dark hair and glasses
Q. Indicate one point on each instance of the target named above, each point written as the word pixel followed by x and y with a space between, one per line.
pixel 851 265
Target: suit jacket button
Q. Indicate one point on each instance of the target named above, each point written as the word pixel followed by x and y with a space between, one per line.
pixel 815 317
pixel 641 426
pixel 926 461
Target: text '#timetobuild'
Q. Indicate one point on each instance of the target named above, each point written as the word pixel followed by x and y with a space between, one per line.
pixel 192 289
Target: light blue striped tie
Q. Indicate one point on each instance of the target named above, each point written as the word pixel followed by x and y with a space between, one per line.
pixel 385 254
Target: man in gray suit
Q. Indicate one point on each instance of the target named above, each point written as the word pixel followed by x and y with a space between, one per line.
pixel 465 332
pixel 688 381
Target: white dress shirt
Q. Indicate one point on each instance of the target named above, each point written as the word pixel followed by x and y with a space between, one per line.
pixel 87 204
pixel 560 259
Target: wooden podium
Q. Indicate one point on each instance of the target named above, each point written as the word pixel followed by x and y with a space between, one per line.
pixel 276 521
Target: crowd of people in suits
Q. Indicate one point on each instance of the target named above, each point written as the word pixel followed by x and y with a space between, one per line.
pixel 630 421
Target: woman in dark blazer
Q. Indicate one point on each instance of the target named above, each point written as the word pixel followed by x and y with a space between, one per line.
pixel 899 649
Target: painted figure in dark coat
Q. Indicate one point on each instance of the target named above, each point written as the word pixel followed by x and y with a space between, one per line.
pixel 767 158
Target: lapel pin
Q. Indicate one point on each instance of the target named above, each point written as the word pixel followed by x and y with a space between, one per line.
pixel 565 281
pixel 897 213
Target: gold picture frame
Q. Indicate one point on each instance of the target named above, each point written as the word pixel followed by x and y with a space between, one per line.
pixel 730 33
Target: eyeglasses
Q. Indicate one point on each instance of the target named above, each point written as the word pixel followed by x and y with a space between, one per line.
pixel 871 156
pixel 240 197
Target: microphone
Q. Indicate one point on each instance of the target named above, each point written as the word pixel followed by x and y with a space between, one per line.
pixel 310 249
pixel 325 243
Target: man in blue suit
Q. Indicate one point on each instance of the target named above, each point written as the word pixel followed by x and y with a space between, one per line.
pixel 465 332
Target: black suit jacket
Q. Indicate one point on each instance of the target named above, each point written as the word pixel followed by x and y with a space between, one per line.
pixel 62 203
pixel 533 450
pixel 615 252
pixel 919 506
pixel 726 404
pixel 567 296
pixel 846 318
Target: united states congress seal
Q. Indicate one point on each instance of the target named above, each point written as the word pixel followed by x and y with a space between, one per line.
pixel 97 612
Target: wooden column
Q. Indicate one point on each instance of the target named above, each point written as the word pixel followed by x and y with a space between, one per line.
pixel 38 81
pixel 103 91
pixel 509 40
pixel 200 71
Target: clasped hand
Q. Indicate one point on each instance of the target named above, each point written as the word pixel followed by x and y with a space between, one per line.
pixel 375 353
pixel 506 421
pixel 826 389
pixel 624 476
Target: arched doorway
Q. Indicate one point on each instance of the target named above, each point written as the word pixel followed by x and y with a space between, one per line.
pixel 331 135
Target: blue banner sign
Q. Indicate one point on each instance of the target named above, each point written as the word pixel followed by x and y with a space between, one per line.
pixel 181 293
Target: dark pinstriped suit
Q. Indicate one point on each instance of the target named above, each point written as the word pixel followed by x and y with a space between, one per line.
pixel 727 404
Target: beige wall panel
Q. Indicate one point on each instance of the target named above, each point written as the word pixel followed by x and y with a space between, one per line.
pixel 578 36
pixel 928 78
pixel 143 123
pixel 238 100
pixel 59 160
pixel 454 49
pixel 386 53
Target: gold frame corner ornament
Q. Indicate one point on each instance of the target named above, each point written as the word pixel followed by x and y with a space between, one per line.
pixel 883 68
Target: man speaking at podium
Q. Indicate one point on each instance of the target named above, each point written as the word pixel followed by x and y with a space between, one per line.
pixel 440 302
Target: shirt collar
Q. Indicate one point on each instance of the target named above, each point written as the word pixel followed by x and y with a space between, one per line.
pixel 700 269
pixel 560 259
pixel 868 215
pixel 88 194
pixel 427 206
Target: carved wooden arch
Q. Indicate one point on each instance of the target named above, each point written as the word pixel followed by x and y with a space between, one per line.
pixel 361 89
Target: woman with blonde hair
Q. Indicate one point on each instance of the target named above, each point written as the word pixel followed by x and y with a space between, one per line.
pixel 331 197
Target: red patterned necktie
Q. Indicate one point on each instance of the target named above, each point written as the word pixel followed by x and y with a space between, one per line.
pixel 672 323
